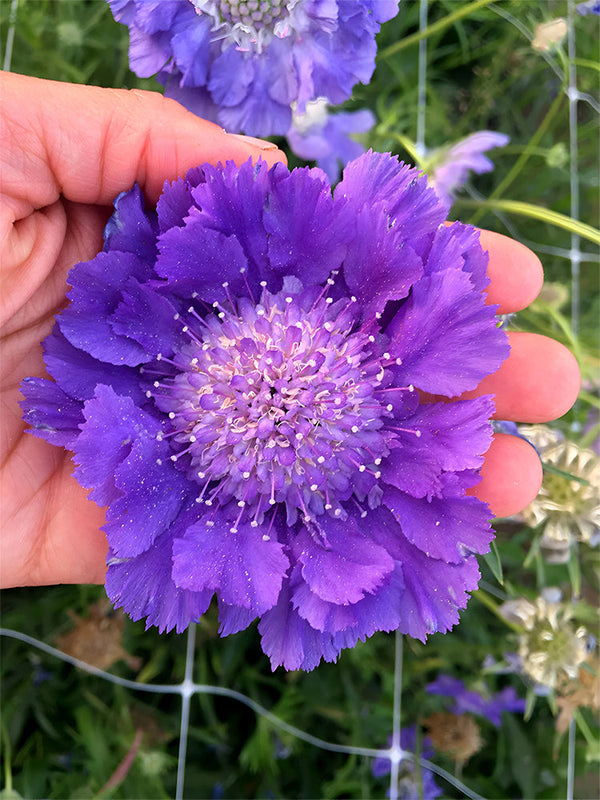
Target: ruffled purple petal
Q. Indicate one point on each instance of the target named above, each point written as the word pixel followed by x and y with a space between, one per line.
pixel 341 565
pixel 290 641
pixel 434 591
pixel 378 611
pixel 247 91
pixel 233 619
pixel 245 569
pixel 230 76
pixel 197 259
pixel 444 335
pixel 152 495
pixel 127 468
pixel 191 48
pixel 448 528
pixel 231 201
pixel 298 203
pixel 105 440
pixel 147 318
pixel 130 229
pixel 176 201
pixel 457 246
pixel 379 180
pixel 379 265
pixel 142 586
pixel 95 295
pixel 78 373
pixel 438 437
pixel 52 414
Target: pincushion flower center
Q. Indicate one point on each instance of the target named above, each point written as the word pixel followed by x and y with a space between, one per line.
pixel 253 13
pixel 248 24
pixel 274 403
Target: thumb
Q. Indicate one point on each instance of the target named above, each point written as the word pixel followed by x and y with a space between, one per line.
pixel 88 143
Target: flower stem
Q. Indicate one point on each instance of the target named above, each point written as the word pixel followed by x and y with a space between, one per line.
pixel 530 149
pixel 487 601
pixel 536 212
pixel 584 728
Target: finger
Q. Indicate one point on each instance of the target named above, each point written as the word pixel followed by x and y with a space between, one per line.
pixel 510 477
pixel 89 143
pixel 538 382
pixel 515 272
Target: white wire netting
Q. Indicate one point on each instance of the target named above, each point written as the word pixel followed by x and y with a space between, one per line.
pixel 188 690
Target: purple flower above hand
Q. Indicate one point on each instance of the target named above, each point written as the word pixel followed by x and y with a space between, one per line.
pixel 244 64
pixel 238 376
pixel 326 138
pixel 449 168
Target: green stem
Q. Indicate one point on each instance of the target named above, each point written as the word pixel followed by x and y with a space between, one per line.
pixel 536 212
pixel 584 62
pixel 409 146
pixel 487 601
pixel 584 727
pixel 525 155
pixel 440 25
pixel 587 397
pixel 7 759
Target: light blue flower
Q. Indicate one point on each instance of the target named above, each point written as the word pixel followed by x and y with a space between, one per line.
pixel 244 64
pixel 448 168
pixel 589 7
pixel 327 138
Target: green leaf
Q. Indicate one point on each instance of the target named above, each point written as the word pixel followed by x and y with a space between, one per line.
pixel 524 765
pixel 492 559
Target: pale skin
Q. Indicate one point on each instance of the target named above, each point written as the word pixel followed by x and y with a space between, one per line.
pixel 65 153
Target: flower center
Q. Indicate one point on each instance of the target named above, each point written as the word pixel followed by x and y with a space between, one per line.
pixel 248 24
pixel 252 13
pixel 274 403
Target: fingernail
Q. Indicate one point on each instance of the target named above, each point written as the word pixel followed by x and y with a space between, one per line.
pixel 262 144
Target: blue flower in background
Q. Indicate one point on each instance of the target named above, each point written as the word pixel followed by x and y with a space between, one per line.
pixel 448 168
pixel 326 138
pixel 410 787
pixel 589 7
pixel 237 374
pixel 490 706
pixel 244 64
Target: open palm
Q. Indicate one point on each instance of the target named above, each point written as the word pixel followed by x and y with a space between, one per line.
pixel 66 152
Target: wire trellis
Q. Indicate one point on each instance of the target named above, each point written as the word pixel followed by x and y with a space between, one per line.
pixel 187 689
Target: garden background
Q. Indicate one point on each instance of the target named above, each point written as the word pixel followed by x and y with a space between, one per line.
pixel 197 716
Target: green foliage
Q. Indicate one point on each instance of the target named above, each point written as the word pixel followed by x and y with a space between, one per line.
pixel 64 733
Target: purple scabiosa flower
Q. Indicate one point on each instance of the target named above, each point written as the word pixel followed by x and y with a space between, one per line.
pixel 488 705
pixel 238 376
pixel 448 168
pixel 411 785
pixel 326 138
pixel 244 63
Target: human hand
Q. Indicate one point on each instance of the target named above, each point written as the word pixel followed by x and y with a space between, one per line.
pixel 70 170
pixel 65 153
